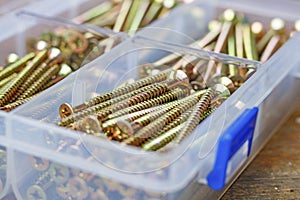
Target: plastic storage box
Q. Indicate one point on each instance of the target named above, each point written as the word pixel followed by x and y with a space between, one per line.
pixel 31 27
pixel 81 167
pixel 265 90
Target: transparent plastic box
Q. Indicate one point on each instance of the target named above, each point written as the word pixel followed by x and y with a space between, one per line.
pixel 84 163
pixel 32 27
pixel 273 89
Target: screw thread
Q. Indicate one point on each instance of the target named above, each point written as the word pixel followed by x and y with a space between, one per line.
pixel 17 103
pixel 163 139
pixel 158 124
pixel 165 136
pixel 112 105
pixel 22 76
pixel 31 79
pixel 36 86
pixel 16 66
pixel 196 115
pixel 6 80
pixel 123 90
pixel 168 97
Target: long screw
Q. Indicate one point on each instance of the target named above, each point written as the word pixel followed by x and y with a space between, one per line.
pixel 177 93
pixel 170 132
pixel 16 66
pixel 9 92
pixel 98 107
pixel 146 95
pixel 128 128
pixel 17 103
pixel 37 74
pixel 67 110
pixel 162 121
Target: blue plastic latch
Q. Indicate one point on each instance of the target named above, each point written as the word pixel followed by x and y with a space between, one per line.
pixel 230 142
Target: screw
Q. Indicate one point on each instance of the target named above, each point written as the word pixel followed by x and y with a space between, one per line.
pixel 93 13
pixel 180 80
pixel 147 131
pixel 108 19
pixel 11 58
pixel 234 73
pixel 229 17
pixel 59 173
pixel 162 140
pixel 78 188
pixel 215 29
pixel 271 47
pixel 112 101
pixel 257 30
pixel 199 110
pixel 6 80
pixel 211 36
pixel 67 110
pixel 54 52
pixel 39 163
pixel 277 27
pixel 89 125
pixel 126 5
pixel 9 92
pixel 137 19
pixel 249 42
pixel 159 89
pixel 167 5
pixel 35 192
pixel 195 116
pixel 239 40
pixel 130 117
pixel 11 106
pixel 152 13
pixel 16 66
pixel 36 86
pixel 296 28
pixel 191 64
pixel 177 93
pixel 128 128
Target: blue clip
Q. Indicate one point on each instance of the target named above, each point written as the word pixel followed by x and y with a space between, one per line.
pixel 230 142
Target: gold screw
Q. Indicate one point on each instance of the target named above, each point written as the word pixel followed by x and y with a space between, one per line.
pixel 9 92
pixel 36 86
pixel 68 110
pixel 156 91
pixel 158 124
pixel 16 66
pixel 11 106
pixel 177 93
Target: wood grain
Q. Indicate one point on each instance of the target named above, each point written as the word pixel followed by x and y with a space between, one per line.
pixel 275 172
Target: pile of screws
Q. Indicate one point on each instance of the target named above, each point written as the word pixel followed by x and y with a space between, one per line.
pixel 149 113
pixel 234 35
pixel 52 57
pixel 127 15
pixel 54 181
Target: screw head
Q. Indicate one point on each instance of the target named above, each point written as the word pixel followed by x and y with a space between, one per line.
pixel 277 24
pixel 65 110
pixel 59 173
pixel 35 192
pixel 39 163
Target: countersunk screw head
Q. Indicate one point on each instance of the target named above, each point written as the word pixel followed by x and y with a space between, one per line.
pixel 59 173
pixel 39 163
pixel 35 192
pixel 78 188
pixel 65 110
